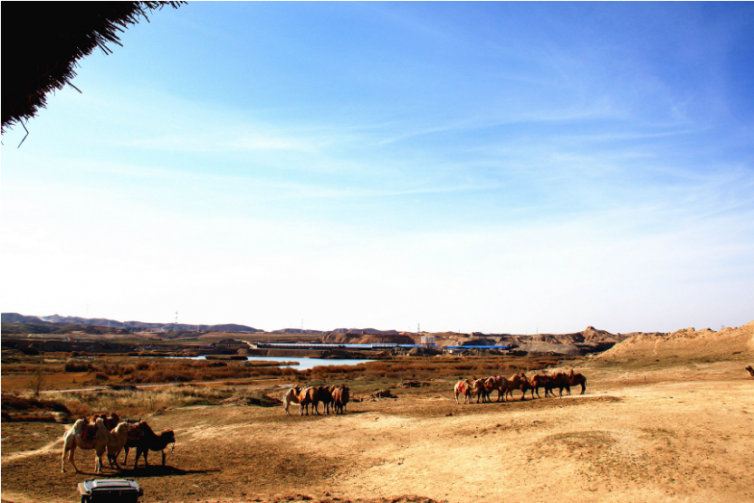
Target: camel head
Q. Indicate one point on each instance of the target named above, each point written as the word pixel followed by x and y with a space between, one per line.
pixel 79 425
pixel 169 438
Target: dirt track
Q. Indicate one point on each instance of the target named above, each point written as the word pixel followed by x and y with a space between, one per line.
pixel 664 434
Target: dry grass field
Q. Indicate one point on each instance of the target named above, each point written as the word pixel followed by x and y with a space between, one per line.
pixel 673 429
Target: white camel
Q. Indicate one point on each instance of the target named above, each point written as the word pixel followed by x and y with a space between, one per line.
pixel 74 438
pixel 291 396
pixel 117 441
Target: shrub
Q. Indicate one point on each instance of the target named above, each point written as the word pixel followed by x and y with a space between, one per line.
pixel 74 366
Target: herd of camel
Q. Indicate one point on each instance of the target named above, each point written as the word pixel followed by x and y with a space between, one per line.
pixel 483 388
pixel 333 398
pixel 109 433
pixel 336 398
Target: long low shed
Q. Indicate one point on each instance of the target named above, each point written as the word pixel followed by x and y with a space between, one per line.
pixel 302 345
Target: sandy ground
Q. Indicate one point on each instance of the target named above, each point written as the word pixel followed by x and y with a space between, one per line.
pixel 679 433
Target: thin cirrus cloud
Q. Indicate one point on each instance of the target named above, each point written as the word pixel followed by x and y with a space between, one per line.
pixel 487 167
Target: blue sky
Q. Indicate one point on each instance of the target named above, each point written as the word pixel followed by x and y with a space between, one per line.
pixel 485 167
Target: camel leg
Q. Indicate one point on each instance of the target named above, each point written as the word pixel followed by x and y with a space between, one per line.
pixel 114 460
pixel 138 455
pixel 73 459
pixel 163 457
pixel 66 448
pixel 72 451
pixel 125 458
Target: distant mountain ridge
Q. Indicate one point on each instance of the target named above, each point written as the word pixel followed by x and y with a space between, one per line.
pixel 364 331
pixel 103 322
pixel 588 336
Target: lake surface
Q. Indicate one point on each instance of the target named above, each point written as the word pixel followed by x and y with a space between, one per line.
pixel 303 363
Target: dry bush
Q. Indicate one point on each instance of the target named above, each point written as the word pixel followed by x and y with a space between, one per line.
pixel 133 404
pixel 78 408
pixel 74 366
pixel 38 380
pixel 17 403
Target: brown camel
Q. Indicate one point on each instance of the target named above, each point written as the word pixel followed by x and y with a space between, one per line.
pixel 575 380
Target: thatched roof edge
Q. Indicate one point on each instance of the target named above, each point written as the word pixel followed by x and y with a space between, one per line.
pixel 53 37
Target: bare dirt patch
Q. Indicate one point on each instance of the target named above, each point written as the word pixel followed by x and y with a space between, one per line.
pixel 653 431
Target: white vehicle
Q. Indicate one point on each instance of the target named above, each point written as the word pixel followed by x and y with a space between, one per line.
pixel 110 490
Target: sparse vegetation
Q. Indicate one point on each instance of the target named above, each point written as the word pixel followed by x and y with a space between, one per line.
pixel 38 381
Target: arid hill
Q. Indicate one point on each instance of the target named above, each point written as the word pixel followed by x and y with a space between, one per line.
pixel 686 344
pixel 590 335
pixel 364 331
pixel 356 338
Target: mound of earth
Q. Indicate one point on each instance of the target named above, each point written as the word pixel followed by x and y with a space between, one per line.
pixel 576 343
pixel 20 408
pixel 351 338
pixel 686 343
pixel 544 347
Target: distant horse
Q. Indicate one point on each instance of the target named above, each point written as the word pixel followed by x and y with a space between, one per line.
pixel 98 441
